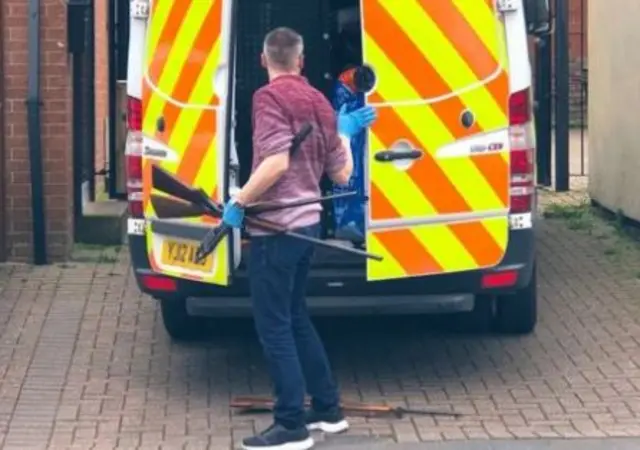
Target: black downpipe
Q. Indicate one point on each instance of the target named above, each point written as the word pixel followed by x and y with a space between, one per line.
pixel 544 111
pixel 35 144
pixel 3 184
pixel 562 96
pixel 111 83
pixel 76 93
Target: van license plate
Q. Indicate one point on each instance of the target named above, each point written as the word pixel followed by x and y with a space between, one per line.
pixel 183 254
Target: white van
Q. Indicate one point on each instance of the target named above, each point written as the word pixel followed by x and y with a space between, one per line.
pixel 452 85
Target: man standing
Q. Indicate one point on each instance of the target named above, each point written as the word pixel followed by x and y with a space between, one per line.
pixel 279 264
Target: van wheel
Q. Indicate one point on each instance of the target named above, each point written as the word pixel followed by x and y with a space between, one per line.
pixel 518 313
pixel 479 319
pixel 177 321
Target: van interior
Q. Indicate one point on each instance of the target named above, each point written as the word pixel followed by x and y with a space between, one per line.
pixel 332 36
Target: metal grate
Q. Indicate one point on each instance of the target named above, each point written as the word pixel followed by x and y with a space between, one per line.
pixel 303 16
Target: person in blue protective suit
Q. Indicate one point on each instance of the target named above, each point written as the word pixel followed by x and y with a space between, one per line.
pixel 349 213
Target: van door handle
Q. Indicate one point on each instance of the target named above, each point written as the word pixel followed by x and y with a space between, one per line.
pixel 390 155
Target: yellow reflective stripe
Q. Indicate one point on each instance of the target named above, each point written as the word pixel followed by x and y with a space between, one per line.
pixel 460 170
pixel 208 173
pixel 188 119
pixel 203 89
pixel 471 184
pixel 426 35
pixel 485 23
pixel 498 228
pixel 393 81
pixel 388 267
pixel 180 51
pixel 445 247
pixel 156 24
pixel 411 202
pixel 432 133
pixel 206 178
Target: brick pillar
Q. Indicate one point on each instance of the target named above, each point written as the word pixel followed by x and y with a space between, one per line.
pixel 55 79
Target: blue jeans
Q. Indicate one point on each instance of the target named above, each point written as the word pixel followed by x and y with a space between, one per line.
pixel 297 361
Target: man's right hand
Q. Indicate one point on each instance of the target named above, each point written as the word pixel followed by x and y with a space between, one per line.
pixel 233 214
pixel 350 124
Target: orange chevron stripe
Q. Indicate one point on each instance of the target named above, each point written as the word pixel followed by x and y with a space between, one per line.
pixel 473 236
pixel 160 54
pixel 468 45
pixel 201 50
pixel 422 76
pixel 380 207
pixel 169 31
pixel 193 66
pixel 496 172
pixel 425 173
pixel 199 144
pixel 147 167
pixel 478 242
pixel 402 244
pixel 147 93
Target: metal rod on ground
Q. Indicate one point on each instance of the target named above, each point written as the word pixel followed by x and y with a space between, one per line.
pixel 562 97
pixel 265 404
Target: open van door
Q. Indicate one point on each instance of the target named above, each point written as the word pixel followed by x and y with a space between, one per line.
pixel 438 164
pixel 185 129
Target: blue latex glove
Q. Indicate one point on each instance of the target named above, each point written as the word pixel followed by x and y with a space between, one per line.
pixel 233 214
pixel 350 124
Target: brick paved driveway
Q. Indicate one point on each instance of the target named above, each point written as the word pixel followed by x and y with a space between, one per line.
pixel 85 363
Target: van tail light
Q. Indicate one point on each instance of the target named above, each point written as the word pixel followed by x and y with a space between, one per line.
pixel 133 157
pixel 506 278
pixel 159 283
pixel 522 144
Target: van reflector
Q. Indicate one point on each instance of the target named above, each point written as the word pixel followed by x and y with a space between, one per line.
pixel 133 157
pixel 159 283
pixel 522 143
pixel 499 279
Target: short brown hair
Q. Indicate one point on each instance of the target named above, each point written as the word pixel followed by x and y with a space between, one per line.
pixel 282 46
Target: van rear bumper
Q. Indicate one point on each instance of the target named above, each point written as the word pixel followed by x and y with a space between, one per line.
pixel 337 291
pixel 340 305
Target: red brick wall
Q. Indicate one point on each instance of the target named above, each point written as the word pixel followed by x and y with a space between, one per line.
pixel 101 87
pixel 578 32
pixel 56 130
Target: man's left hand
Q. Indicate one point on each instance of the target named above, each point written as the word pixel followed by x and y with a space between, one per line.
pixel 233 214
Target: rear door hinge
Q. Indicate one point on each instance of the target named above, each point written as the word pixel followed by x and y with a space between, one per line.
pixel 139 9
pixel 507 5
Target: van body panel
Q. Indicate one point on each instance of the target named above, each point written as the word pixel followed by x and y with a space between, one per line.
pixel 184 123
pixel 442 88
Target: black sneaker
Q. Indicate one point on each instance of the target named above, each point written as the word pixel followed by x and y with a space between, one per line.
pixel 277 437
pixel 331 422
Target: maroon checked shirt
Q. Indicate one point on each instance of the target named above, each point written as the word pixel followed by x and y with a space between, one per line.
pixel 279 110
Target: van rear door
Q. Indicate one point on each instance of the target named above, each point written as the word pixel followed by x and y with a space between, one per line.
pixel 184 126
pixel 438 165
